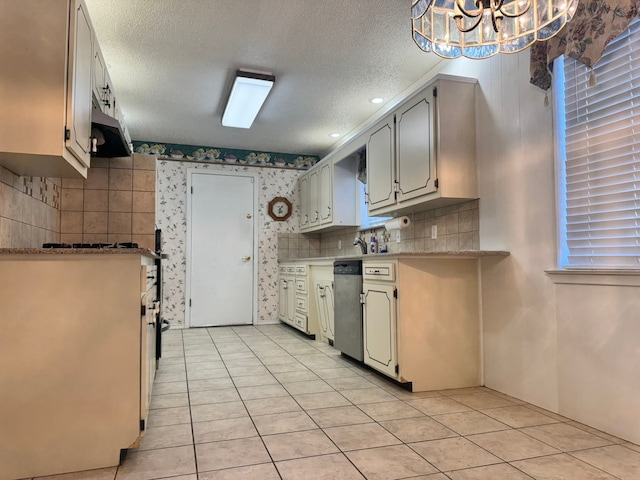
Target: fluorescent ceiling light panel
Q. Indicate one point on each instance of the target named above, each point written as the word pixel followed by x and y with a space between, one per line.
pixel 248 93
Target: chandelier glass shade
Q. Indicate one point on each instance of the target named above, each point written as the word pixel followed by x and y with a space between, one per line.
pixel 482 28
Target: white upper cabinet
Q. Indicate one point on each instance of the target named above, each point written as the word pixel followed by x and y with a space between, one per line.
pixel 314 208
pixel 303 186
pixel 99 71
pixel 328 195
pixel 79 102
pixel 325 204
pixel 381 166
pixel 425 150
pixel 416 172
pixel 46 78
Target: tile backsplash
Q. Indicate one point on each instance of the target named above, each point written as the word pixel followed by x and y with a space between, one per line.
pixel 29 210
pixel 116 203
pixel 458 228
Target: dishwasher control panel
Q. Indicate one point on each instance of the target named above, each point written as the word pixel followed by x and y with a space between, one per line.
pixel 379 271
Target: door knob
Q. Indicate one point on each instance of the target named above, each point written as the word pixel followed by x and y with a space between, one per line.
pixel 249 215
pixel 246 258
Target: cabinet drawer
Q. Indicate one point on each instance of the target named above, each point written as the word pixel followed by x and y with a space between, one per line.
pixel 301 303
pixel 379 271
pixel 283 269
pixel 301 321
pixel 301 269
pixel 301 285
pixel 291 269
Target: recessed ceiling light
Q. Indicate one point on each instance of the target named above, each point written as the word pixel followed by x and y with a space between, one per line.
pixel 334 135
pixel 377 100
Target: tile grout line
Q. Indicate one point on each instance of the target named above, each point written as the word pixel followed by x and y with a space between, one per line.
pixel 278 341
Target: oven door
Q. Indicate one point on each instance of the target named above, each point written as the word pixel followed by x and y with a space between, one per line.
pixel 149 319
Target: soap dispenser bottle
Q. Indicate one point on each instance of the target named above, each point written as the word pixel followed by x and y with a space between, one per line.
pixel 383 244
pixel 373 248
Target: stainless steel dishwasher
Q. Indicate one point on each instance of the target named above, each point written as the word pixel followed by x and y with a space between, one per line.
pixel 347 288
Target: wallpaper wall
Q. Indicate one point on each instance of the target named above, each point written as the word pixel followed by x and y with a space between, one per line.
pixel 172 219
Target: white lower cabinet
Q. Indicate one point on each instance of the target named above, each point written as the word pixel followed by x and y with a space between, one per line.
pixel 76 390
pixel 322 308
pixel 421 321
pixel 293 297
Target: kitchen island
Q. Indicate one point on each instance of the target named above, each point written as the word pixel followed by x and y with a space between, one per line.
pixel 77 357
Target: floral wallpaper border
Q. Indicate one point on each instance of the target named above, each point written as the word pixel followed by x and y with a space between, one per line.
pixel 197 153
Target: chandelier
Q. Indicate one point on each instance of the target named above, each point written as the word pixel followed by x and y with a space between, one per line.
pixel 482 28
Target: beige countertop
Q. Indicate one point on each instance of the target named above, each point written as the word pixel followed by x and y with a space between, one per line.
pixel 402 255
pixel 78 251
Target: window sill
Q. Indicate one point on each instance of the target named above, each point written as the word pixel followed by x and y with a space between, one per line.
pixel 620 278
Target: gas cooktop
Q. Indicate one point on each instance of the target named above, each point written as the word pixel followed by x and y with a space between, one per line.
pixel 91 245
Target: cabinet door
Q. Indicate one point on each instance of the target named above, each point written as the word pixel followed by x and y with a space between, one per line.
pixel 321 302
pixel 380 165
pixel 79 89
pixel 291 301
pixel 314 214
pixel 326 194
pixel 108 99
pixel 415 155
pixel 98 75
pixel 303 186
pixel 328 307
pixel 282 299
pixel 379 315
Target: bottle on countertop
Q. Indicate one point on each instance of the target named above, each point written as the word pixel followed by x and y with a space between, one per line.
pixel 373 248
pixel 383 244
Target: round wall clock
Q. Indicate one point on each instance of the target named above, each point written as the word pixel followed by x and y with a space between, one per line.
pixel 279 209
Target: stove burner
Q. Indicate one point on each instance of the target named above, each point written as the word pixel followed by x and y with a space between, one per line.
pixel 91 245
pixel 126 245
pixel 101 245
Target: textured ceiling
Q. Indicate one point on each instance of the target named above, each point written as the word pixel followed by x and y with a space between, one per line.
pixel 172 63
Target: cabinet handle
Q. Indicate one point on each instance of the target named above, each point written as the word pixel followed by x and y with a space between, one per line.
pixel 246 258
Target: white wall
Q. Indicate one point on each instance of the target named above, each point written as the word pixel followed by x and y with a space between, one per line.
pixel 543 342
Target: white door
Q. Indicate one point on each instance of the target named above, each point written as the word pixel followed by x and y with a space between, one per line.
pixel 221 249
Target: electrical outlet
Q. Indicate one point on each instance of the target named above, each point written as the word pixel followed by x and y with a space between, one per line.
pixel 339 244
pixel 434 232
pixel 398 236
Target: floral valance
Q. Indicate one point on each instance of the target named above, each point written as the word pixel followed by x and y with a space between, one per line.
pixel 584 38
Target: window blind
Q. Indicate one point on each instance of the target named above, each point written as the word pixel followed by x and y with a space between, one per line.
pixel 601 218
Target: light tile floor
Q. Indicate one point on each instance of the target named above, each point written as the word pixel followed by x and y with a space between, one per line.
pixel 266 403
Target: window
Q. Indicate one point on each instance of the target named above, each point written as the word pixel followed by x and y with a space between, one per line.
pixel 599 157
